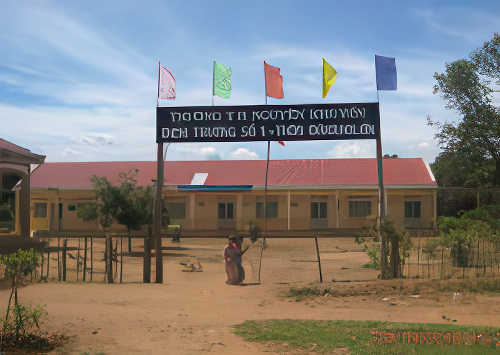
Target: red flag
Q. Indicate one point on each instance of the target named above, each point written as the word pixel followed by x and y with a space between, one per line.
pixel 282 143
pixel 274 81
pixel 166 85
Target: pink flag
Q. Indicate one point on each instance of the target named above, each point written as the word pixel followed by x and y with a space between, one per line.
pixel 166 85
pixel 274 81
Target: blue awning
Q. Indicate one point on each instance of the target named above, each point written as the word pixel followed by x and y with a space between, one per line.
pixel 214 187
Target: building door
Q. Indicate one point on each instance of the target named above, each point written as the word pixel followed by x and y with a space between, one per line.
pixel 319 215
pixel 52 216
pixel 60 216
pixel 226 216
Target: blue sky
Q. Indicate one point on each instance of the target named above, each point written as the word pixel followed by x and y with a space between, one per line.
pixel 78 80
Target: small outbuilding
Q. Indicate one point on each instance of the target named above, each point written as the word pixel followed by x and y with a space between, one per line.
pixel 15 167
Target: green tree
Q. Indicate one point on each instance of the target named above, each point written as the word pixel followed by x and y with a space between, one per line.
pixel 471 146
pixel 105 207
pixel 18 266
pixel 127 204
pixel 135 205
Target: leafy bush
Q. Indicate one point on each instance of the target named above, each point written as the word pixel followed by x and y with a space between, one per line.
pixel 373 252
pixel 395 238
pixel 461 234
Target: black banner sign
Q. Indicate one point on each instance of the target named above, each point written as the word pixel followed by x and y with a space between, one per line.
pixel 267 123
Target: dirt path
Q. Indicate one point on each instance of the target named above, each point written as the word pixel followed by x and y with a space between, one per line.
pixel 193 312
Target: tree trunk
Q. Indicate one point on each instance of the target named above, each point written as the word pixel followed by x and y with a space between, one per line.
pixel 395 259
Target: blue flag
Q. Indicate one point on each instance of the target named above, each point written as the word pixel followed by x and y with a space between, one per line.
pixel 385 68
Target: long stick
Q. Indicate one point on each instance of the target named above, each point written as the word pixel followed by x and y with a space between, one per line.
pixel 48 264
pixel 109 257
pixel 265 187
pixel 65 245
pixel 319 260
pixel 91 257
pixel 115 251
pixel 78 260
pixel 213 84
pixel 85 260
pixel 158 201
pixel 264 209
pixel 58 259
pixel 158 219
pixel 159 70
pixel 260 262
pixel 121 259
pixel 383 241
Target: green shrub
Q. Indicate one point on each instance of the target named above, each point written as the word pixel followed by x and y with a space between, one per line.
pixel 373 252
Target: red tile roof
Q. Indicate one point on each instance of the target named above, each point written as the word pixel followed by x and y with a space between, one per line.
pixel 282 173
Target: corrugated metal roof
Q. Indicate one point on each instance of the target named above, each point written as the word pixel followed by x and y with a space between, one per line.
pixel 282 173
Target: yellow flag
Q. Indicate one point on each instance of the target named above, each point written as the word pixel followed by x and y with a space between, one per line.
pixel 329 77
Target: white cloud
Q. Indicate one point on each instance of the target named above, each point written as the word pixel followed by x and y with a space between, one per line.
pixel 95 139
pixel 353 149
pixel 207 150
pixel 196 151
pixel 242 154
pixel 69 151
pixel 463 23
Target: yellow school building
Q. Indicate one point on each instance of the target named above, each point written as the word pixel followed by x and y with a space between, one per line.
pixel 306 194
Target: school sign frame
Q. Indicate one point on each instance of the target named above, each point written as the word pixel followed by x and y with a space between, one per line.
pixel 191 124
pixel 196 124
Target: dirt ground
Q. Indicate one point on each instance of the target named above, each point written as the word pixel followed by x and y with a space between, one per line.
pixel 193 312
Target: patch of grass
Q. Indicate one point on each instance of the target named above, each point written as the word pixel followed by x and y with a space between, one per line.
pixel 480 285
pixel 398 287
pixel 32 343
pixel 361 338
pixel 307 292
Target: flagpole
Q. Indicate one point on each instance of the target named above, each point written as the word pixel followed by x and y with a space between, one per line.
pixel 158 99
pixel 267 164
pixel 158 200
pixel 382 213
pixel 265 186
pixel 213 78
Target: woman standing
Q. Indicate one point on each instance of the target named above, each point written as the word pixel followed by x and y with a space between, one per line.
pixel 232 257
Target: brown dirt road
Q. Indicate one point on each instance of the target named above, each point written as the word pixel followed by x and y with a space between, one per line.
pixel 193 312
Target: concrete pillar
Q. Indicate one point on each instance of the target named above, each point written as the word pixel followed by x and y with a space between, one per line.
pixel 192 201
pixel 25 206
pixel 288 210
pixel 239 212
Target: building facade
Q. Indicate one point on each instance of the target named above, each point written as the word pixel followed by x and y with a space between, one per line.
pixel 229 195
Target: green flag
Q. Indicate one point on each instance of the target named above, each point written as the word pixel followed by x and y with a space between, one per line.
pixel 222 80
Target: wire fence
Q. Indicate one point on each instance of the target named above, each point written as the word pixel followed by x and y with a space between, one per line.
pixel 84 259
pixel 478 259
